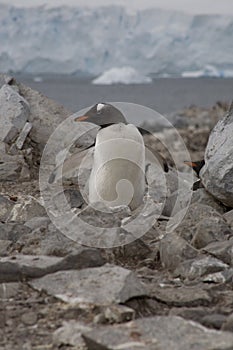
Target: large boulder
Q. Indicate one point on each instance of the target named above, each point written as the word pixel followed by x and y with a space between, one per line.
pixel 217 174
pixel 14 112
pixel 45 114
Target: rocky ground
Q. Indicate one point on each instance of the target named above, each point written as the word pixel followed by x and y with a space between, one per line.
pixel 169 289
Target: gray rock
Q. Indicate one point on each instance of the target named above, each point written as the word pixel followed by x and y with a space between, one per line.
pixel 228 324
pixel 179 191
pixel 214 320
pixel 5 207
pixel 37 222
pixel 196 268
pixel 210 230
pixel 26 208
pixel 3 148
pixel 70 334
pixel 180 296
pixel 10 171
pixel 4 247
pixel 133 253
pixel 174 147
pixel 160 332
pixel 13 231
pixel 174 250
pixel 114 314
pixel 118 313
pixel 203 197
pixel 201 225
pixel 14 113
pixel 191 313
pixel 45 114
pixel 72 170
pixel 23 135
pixel 221 250
pixel 176 202
pixel 11 166
pixel 18 267
pixel 100 226
pixel 229 218
pixel 9 290
pixel 21 266
pixel 217 174
pixel 224 276
pixel 73 197
pixel 29 318
pixel 47 241
pixel 99 286
pixel 5 79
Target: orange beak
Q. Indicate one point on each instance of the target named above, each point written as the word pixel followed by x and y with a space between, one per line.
pixel 191 164
pixel 81 119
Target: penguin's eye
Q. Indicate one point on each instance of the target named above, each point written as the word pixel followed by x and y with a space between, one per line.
pixel 99 107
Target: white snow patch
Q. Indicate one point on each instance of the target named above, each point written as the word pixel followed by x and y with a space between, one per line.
pixel 124 75
pixel 100 106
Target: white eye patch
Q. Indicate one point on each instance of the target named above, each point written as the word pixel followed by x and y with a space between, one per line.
pixel 99 107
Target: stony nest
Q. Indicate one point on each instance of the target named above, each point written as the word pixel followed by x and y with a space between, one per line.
pixel 58 294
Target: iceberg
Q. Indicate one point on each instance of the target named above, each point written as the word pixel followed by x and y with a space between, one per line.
pixel 123 75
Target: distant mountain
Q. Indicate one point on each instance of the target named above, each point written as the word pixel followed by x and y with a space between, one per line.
pixel 93 40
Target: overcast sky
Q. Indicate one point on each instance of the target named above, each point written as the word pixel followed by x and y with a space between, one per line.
pixel 193 6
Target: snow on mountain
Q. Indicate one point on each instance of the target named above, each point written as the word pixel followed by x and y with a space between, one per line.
pixel 94 40
pixel 123 75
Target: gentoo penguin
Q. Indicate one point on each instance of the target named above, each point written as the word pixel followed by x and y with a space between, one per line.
pixel 104 114
pixel 196 166
pixel 118 172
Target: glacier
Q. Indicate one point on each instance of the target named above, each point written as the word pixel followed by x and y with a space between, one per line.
pixel 208 71
pixel 90 41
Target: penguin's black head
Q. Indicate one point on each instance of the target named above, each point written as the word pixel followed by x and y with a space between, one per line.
pixel 103 114
pixel 196 165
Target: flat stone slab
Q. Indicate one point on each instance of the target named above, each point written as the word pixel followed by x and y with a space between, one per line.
pixel 18 267
pixel 21 266
pixel 196 268
pixel 181 296
pixel 99 286
pixel 161 332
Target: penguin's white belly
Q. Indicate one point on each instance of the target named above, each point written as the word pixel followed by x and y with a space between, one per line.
pixel 118 173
